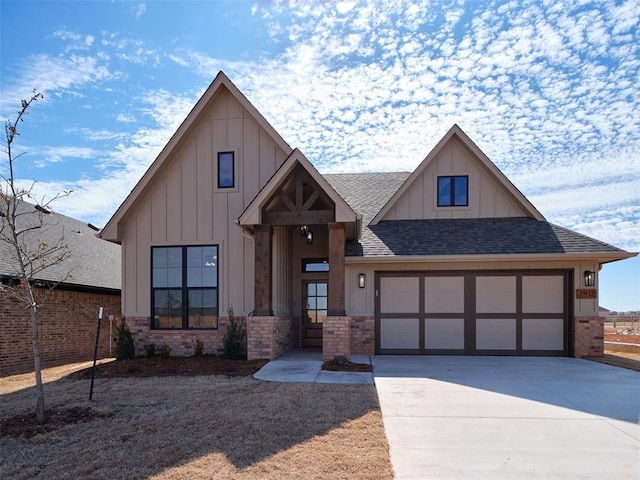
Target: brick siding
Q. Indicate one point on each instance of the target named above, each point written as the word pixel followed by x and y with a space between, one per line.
pixel 363 336
pixel 67 324
pixel 336 337
pixel 588 337
pixel 181 342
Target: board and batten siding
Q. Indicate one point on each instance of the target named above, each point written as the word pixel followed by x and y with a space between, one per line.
pixel 487 197
pixel 360 301
pixel 182 205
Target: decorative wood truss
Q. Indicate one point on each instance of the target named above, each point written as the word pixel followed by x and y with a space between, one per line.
pixel 299 201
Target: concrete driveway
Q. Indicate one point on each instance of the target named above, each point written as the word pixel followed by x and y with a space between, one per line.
pixel 509 417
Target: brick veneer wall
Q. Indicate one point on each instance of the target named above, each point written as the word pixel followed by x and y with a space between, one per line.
pixel 363 336
pixel 336 337
pixel 588 335
pixel 181 342
pixel 268 337
pixel 67 324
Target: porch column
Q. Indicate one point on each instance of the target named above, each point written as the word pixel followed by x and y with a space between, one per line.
pixel 336 269
pixel 262 271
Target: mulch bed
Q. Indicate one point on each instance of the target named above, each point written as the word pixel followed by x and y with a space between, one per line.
pixel 346 366
pixel 173 366
pixel 26 426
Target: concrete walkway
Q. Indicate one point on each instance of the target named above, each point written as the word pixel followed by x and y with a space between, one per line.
pixel 306 366
pixel 509 417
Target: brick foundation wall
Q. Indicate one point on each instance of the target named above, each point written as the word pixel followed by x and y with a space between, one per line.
pixel 336 337
pixel 363 336
pixel 181 342
pixel 67 324
pixel 268 337
pixel 588 337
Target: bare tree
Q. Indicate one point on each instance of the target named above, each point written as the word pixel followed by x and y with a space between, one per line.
pixel 28 255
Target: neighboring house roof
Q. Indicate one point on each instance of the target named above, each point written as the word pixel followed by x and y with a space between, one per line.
pixel 91 262
pixel 110 231
pixel 456 131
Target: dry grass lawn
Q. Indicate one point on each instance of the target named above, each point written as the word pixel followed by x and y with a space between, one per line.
pixel 198 427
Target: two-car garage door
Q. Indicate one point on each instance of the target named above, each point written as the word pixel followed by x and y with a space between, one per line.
pixel 472 313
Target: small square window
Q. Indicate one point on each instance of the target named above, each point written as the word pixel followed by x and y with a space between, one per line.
pixel 226 170
pixel 453 191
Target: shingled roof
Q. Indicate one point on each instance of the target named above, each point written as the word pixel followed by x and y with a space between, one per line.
pixel 367 193
pixel 92 263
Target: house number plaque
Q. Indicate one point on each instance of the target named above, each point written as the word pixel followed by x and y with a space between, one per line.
pixel 586 293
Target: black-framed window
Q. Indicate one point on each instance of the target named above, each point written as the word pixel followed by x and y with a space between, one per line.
pixel 226 170
pixel 184 287
pixel 453 191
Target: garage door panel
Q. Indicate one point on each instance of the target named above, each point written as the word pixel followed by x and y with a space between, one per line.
pixel 496 334
pixel 444 334
pixel 399 333
pixel 444 294
pixel 496 294
pixel 399 294
pixel 474 312
pixel 543 334
pixel 543 294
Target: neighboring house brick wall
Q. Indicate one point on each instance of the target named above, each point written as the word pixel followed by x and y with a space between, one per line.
pixel 363 336
pixel 588 337
pixel 67 325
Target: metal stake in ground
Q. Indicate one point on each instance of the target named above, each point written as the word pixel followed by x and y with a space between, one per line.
pixel 95 354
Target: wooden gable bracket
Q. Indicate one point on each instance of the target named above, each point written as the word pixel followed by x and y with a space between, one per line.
pixel 299 201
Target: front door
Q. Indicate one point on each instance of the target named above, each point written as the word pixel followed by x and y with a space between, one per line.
pixel 314 310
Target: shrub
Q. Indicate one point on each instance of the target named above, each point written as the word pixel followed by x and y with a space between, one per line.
pixel 125 348
pixel 150 349
pixel 233 341
pixel 198 347
pixel 164 351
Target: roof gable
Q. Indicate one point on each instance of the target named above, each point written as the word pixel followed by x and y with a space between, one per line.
pixel 491 194
pixel 221 82
pixel 253 213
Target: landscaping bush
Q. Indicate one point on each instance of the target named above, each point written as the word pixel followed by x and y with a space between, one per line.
pixel 164 351
pixel 198 347
pixel 233 347
pixel 150 349
pixel 125 348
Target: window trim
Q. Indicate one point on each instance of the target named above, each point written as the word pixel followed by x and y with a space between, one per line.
pixel 452 194
pixel 233 170
pixel 184 288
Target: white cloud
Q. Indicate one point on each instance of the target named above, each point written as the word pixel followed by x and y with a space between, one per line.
pixel 140 10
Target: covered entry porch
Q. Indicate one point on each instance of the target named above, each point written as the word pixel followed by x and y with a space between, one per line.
pixel 300 226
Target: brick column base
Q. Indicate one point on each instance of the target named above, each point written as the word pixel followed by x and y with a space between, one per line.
pixel 588 337
pixel 336 337
pixel 269 337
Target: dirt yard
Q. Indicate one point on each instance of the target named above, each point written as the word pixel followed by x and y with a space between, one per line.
pixel 212 426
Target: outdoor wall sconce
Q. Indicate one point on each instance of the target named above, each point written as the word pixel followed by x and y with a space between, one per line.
pixel 309 237
pixel 304 230
pixel 589 278
pixel 361 279
pixel 307 234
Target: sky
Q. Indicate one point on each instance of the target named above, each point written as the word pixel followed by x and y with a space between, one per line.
pixel 547 89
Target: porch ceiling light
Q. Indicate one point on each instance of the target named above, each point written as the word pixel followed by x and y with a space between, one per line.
pixel 589 278
pixel 361 280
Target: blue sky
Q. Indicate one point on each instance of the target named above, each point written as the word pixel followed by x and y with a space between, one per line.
pixel 547 89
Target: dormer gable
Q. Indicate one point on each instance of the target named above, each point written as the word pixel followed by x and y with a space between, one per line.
pixel 456 180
